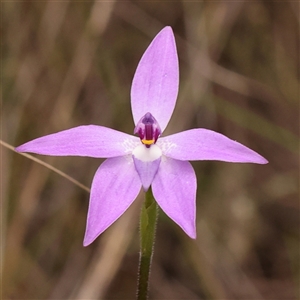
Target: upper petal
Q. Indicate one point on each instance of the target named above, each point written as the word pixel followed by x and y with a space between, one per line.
pixel 90 140
pixel 174 189
pixel 115 186
pixel 155 83
pixel 204 144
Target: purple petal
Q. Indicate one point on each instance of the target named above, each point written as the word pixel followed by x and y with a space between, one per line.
pixel 146 170
pixel 204 144
pixel 174 188
pixel 146 161
pixel 115 186
pixel 155 83
pixel 90 140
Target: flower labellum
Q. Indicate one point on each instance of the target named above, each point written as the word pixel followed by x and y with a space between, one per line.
pixel 148 130
pixel 150 160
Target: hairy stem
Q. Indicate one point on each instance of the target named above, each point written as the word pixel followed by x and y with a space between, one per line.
pixel 147 235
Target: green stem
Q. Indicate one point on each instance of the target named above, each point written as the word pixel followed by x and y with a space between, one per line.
pixel 147 233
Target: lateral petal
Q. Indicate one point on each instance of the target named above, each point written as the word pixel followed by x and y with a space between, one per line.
pixel 155 83
pixel 115 186
pixel 174 189
pixel 204 144
pixel 89 140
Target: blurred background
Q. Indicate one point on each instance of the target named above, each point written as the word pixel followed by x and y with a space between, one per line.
pixel 69 63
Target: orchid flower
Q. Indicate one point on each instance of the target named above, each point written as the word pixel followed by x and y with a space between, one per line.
pixel 149 159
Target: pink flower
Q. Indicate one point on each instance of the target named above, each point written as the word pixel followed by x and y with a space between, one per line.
pixel 148 160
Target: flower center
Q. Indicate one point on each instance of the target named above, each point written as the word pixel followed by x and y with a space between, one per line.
pixel 148 130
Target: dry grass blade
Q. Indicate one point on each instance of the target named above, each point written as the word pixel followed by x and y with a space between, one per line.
pixel 31 157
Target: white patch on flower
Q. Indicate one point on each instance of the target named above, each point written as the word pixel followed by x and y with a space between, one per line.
pixel 165 145
pixel 142 153
pixel 130 144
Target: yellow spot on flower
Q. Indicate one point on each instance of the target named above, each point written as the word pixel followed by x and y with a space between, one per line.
pixel 148 142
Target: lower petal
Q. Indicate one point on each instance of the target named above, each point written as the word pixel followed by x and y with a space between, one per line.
pixel 146 161
pixel 174 188
pixel 115 186
pixel 146 171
